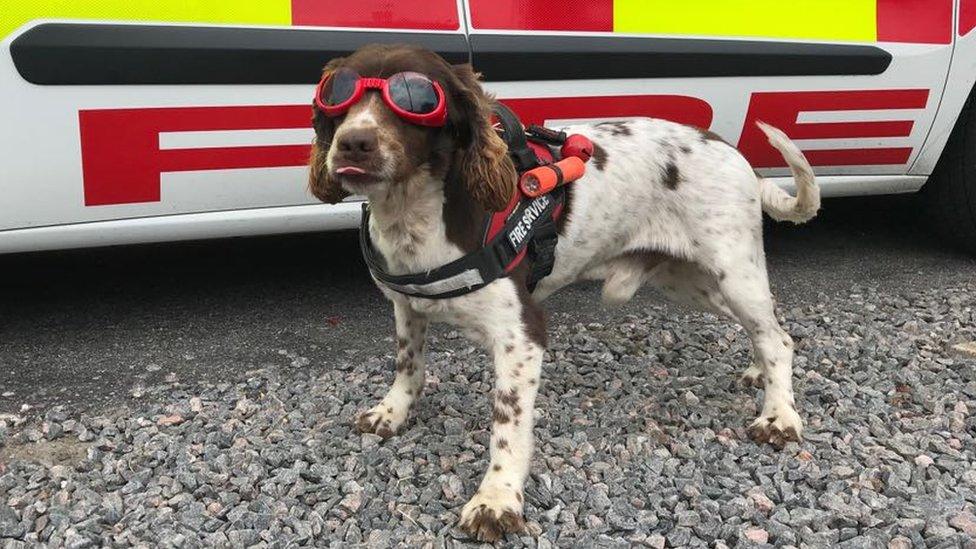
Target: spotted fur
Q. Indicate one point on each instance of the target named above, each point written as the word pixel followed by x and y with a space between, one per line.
pixel 663 203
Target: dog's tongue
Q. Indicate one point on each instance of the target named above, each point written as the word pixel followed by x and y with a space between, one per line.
pixel 350 170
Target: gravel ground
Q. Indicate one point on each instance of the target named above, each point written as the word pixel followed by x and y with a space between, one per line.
pixel 640 440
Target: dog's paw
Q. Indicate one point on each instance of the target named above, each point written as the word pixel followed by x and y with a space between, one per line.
pixel 777 428
pixel 492 513
pixel 381 420
pixel 752 377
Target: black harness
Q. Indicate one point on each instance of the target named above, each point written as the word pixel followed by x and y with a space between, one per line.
pixel 524 230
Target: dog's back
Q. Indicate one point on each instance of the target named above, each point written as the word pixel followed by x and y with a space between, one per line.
pixel 656 189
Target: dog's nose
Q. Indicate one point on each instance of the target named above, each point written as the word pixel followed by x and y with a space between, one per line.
pixel 360 140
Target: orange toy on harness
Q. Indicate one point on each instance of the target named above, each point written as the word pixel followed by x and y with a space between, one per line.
pixel 541 180
pixel 575 150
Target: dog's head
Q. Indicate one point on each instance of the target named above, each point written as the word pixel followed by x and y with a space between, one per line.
pixel 369 149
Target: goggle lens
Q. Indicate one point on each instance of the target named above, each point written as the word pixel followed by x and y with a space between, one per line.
pixel 339 87
pixel 413 92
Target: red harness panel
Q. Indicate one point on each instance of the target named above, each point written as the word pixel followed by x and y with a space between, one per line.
pixel 498 219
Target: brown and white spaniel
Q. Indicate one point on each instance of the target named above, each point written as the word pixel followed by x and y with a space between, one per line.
pixel 661 202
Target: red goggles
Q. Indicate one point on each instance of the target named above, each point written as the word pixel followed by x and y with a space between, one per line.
pixel 412 96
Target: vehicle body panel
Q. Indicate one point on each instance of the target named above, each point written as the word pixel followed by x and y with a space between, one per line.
pixel 959 84
pixel 156 160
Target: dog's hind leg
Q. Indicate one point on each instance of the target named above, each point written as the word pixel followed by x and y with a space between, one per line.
pixel 686 282
pixel 385 418
pixel 624 276
pixel 745 287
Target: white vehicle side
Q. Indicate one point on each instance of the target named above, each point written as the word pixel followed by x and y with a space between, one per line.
pixel 42 189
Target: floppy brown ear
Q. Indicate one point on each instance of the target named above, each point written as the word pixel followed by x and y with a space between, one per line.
pixel 320 183
pixel 486 170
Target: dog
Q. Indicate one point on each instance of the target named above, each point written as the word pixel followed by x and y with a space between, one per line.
pixel 661 203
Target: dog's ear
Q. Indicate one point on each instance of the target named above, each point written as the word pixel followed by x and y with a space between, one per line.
pixel 486 170
pixel 320 182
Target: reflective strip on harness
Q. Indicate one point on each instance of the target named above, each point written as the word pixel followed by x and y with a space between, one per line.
pixel 528 231
pixel 467 279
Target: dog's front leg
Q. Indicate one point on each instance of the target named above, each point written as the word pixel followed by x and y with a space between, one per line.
pixel 496 509
pixel 385 418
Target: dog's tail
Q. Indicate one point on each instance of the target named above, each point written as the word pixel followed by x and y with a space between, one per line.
pixel 775 201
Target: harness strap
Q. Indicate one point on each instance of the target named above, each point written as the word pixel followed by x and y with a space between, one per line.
pixel 542 249
pixel 469 273
pixel 529 231
pixel 518 146
pixel 479 268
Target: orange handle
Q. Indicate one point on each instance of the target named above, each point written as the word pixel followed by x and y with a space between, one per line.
pixel 539 181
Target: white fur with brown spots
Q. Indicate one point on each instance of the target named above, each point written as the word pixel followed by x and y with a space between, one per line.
pixel 661 203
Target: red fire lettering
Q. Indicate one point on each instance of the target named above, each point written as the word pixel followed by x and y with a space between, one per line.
pixel 122 161
pixel 782 108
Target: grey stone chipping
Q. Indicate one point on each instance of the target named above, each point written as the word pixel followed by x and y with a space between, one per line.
pixel 640 430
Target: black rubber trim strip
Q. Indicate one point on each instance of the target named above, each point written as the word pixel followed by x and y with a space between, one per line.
pixel 504 57
pixel 83 53
pixel 67 53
